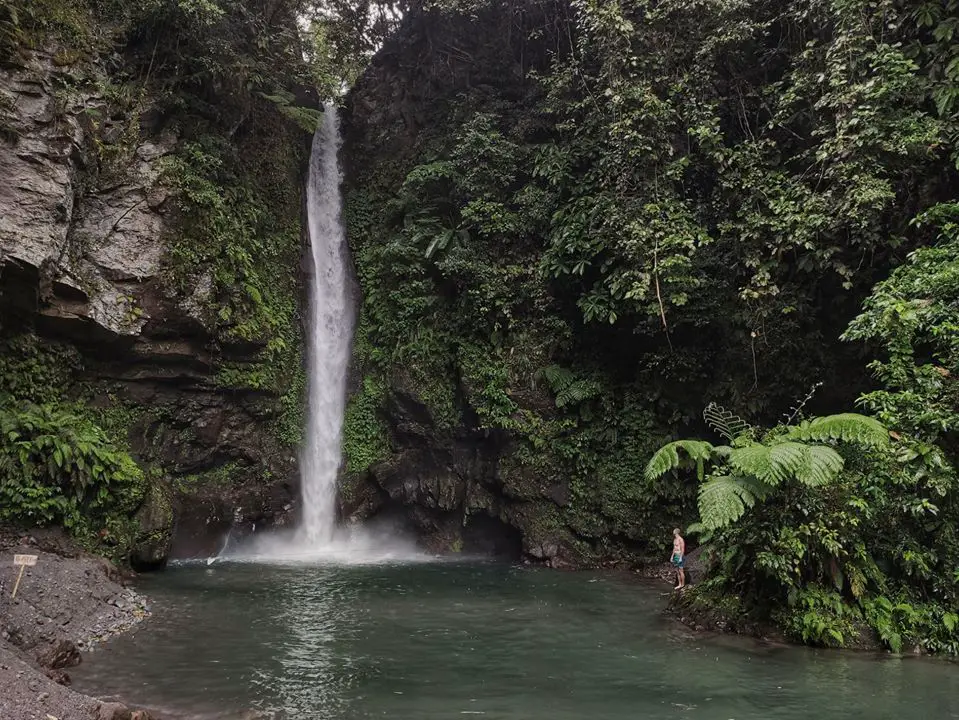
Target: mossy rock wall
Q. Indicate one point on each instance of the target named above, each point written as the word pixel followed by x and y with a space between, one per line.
pixel 151 252
pixel 574 227
pixel 453 423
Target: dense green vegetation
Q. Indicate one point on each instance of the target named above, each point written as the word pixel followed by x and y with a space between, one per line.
pixel 824 540
pixel 58 467
pixel 616 213
pixel 750 470
pixel 63 461
pixel 598 218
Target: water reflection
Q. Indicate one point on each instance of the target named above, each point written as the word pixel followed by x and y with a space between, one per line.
pixel 306 676
pixel 435 641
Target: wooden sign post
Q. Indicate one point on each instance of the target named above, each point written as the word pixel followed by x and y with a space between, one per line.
pixel 24 561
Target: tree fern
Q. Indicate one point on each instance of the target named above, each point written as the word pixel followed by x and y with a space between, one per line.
pixel 725 422
pixel 668 458
pixel 725 498
pixel 845 427
pixel 750 472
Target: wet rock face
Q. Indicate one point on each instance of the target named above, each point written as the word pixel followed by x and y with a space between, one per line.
pixel 447 489
pixel 77 257
pixel 84 222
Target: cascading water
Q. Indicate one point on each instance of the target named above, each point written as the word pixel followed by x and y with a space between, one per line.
pixel 331 333
pixel 330 330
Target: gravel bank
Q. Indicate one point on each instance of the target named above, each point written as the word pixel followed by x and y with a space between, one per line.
pixel 65 605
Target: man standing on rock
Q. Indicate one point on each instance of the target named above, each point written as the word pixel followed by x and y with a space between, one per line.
pixel 678 558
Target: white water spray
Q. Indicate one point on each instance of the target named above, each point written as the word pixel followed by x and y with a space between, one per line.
pixel 331 333
pixel 330 330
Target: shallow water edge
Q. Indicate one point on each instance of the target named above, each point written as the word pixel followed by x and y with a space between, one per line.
pixel 437 640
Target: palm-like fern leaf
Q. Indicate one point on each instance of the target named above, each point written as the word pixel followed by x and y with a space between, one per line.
pixel 568 389
pixel 846 427
pixel 577 392
pixel 786 459
pixel 724 499
pixel 668 458
pixel 724 422
pixel 811 465
pixel 771 464
pixel 558 377
pixel 820 465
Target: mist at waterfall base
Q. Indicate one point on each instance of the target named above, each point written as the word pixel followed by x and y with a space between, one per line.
pixel 329 350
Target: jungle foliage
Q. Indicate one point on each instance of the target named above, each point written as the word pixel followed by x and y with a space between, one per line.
pixel 614 211
pixel 65 457
pixel 751 470
pixel 573 222
pixel 57 467
pixel 826 529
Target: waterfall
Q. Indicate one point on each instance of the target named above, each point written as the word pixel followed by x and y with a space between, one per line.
pixel 331 331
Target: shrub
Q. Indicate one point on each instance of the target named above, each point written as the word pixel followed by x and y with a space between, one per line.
pixel 58 468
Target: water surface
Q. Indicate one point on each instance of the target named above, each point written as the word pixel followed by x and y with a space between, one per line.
pixel 455 640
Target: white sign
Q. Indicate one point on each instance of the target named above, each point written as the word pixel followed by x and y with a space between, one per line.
pixel 23 561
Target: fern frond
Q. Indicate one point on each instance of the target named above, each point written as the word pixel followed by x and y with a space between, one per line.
pixel 786 459
pixel 725 422
pixel 756 460
pixel 668 458
pixel 567 389
pixel 845 427
pixel 821 465
pixel 577 392
pixel 557 377
pixel 724 499
pixel 704 533
pixel 721 452
pixel 812 465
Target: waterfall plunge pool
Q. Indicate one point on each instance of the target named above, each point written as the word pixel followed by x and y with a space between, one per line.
pixel 459 639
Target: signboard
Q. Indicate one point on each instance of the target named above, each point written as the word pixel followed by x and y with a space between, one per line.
pixel 23 561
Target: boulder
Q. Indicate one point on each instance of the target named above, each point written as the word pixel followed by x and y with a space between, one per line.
pixel 155 520
pixel 61 654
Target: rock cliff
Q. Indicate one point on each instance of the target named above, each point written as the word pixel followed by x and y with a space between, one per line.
pixel 556 276
pixel 107 300
pixel 420 447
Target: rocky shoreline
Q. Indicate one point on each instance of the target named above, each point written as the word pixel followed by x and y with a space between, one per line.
pixel 65 605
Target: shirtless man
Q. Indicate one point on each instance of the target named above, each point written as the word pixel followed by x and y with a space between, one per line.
pixel 678 558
